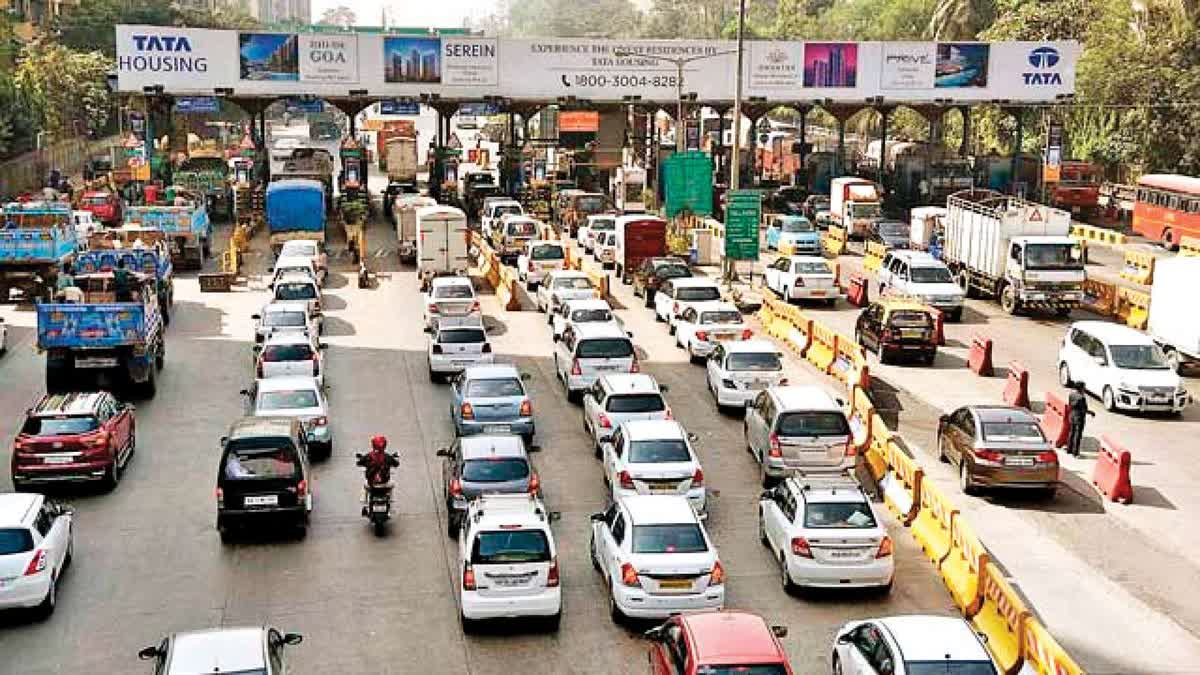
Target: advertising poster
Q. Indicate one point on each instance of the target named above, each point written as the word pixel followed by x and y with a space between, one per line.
pixel 470 62
pixel 961 65
pixel 908 66
pixel 412 60
pixel 330 59
pixel 775 65
pixel 830 65
pixel 269 56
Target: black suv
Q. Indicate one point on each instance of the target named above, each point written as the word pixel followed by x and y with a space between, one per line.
pixel 264 475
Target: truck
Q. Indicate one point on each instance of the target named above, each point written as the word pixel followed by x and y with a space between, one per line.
pixel 402 160
pixel 295 210
pixel 925 227
pixel 1077 188
pixel 187 229
pixel 404 208
pixel 392 129
pixel 1174 323
pixel 629 189
pixel 103 342
pixel 442 243
pixel 36 239
pixel 150 256
pixel 1015 251
pixel 210 177
pixel 855 205
pixel 638 237
pixel 309 163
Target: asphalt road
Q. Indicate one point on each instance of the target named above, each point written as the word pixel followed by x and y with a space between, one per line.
pixel 148 560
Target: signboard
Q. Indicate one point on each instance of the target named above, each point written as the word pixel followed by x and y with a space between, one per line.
pixel 328 58
pixel 1052 168
pixel 302 105
pixel 907 65
pixel 743 213
pixel 687 183
pixel 478 108
pixel 391 106
pixel 577 120
pixel 197 104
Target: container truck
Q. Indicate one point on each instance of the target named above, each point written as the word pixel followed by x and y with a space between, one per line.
pixel 638 237
pixel 855 204
pixel 392 129
pixel 295 210
pixel 402 160
pixel 442 243
pixel 1013 250
pixel 1174 323
pixel 187 229
pixel 35 240
pixel 405 209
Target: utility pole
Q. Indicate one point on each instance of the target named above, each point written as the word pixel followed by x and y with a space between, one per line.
pixel 730 271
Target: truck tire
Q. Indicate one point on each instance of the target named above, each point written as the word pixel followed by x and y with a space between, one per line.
pixel 206 246
pixel 964 282
pixel 1008 300
pixel 149 388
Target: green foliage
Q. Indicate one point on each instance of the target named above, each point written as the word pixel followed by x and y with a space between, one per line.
pixel 341 16
pixel 573 18
pixel 66 91
pixel 88 26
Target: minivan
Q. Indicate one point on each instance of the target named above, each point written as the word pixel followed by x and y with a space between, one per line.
pixel 587 351
pixel 798 428
pixel 263 475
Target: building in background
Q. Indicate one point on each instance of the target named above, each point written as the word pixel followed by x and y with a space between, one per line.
pixel 32 16
pixel 280 11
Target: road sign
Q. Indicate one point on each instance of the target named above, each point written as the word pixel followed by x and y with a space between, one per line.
pixel 197 104
pixel 391 106
pixel 743 212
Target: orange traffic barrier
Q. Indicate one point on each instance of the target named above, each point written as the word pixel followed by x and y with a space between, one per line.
pixel 979 360
pixel 1002 617
pixel 857 292
pixel 1016 389
pixel 1111 473
pixel 939 326
pixel 1056 420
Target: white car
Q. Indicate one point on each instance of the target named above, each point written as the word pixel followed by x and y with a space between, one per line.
pixel 291 354
pixel 802 277
pixel 494 211
pixel 283 317
pixel 605 249
pixel 558 287
pixel 595 225
pixel 508 561
pixel 299 397
pixel 738 371
pixel 451 299
pixel 300 288
pixel 1123 366
pixel 588 351
pixel 615 399
pixel 575 312
pixel 36 540
pixel 454 346
pixel 826 534
pixel 295 264
pixel 677 294
pixel 920 275
pixel 703 325
pixel 654 457
pixel 250 649
pixel 541 257
pixel 910 645
pixel 310 249
pixel 656 558
pixel 85 224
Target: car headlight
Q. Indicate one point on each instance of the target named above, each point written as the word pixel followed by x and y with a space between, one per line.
pixel 1125 386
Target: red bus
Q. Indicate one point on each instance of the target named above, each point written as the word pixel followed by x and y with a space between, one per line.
pixel 1167 208
pixel 1078 187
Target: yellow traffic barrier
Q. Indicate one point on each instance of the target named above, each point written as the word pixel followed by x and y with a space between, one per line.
pixel 902 488
pixel 963 565
pixel 1097 234
pixel 875 252
pixel 823 347
pixel 1189 247
pixel 506 290
pixel 860 411
pixel 1002 617
pixel 1100 297
pixel 1139 267
pixel 599 282
pixel 931 528
pixel 849 362
pixel 1043 653
pixel 1133 307
pixel 834 241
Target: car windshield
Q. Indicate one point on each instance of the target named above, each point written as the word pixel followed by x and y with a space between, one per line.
pixel 723 316
pixel 292 269
pixel 812 423
pixel 580 283
pixel 251 462
pixel 507 208
pixel 590 204
pixel 461 336
pixel 865 210
pixel 1053 256
pixel 797 225
pixel 60 426
pixel 755 361
pixel 99 200
pixel 295 291
pixel 548 252
pixel 893 229
pixel 815 267
pixel 15 540
pixel 930 275
pixel 605 348
pixel 288 399
pixel 285 319
pixel 495 470
pixel 838 515
pixel 289 352
pixel 908 318
pixel 659 450
pixel 698 294
pixel 510 546
pixel 949 668
pixel 635 403
pixel 821 203
pixel 599 224
pixel 1139 357
pixel 298 248
pixel 673 271
pixel 591 315
pixel 453 292
pixel 739 669
pixel 497 388
pixel 522 228
pixel 677 538
pixel 1013 430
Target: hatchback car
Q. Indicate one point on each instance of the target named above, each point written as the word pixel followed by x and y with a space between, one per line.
pixel 300 288
pixel 283 317
pixel 795 233
pixel 257 650
pixel 508 561
pixel 455 346
pixel 1123 366
pixel 450 299
pixel 717 643
pixel 614 399
pixel 76 437
pixel 288 265
pixel 263 475
pixel 654 457
pixel 559 287
pixel 291 354
pixel 484 464
pixel 919 275
pixel 737 371
pixel 825 533
pixel 704 325
pixel 595 225
pixel 675 295
pixel 511 236
pixel 997 446
pixel 798 428
pixel 656 558
pixel 910 645
pixel 540 258
pixel 37 538
pixel 651 274
pixel 492 400
pixel 575 312
pixel 301 398
pixel 309 249
pixel 587 352
pixel 897 328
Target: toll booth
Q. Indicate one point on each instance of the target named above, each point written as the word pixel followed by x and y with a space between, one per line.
pixel 352 181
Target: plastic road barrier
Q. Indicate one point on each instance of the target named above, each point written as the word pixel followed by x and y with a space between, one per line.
pixel 600 282
pixel 1138 268
pixel 931 528
pixel 902 484
pixel 1111 473
pixel 822 349
pixel 939 326
pixel 1100 297
pixel 962 567
pixel 1016 389
pixel 1133 307
pixel 1189 247
pixel 1097 234
pixel 1002 616
pixel 875 252
pixel 834 241
pixel 979 359
pixel 857 293
pixel 1043 654
pixel 1056 420
pixel 506 290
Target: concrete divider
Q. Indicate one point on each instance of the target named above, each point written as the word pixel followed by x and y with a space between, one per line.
pixel 822 348
pixel 1110 475
pixel 1138 267
pixel 963 565
pixel 834 241
pixel 1189 247
pixel 1016 388
pixel 931 527
pixel 1097 234
pixel 1056 420
pixel 873 257
pixel 1002 617
pixel 1100 297
pixel 1133 307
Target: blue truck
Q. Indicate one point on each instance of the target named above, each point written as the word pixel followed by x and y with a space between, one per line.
pixel 295 210
pixel 188 230
pixel 36 239
pixel 103 342
pixel 153 260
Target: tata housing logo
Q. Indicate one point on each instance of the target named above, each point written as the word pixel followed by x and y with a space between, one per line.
pixel 1044 61
pixel 161 54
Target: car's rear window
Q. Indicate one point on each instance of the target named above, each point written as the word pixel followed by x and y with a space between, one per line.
pixel 812 268
pixel 838 515
pixel 288 400
pixel 721 317
pixel 495 388
pixel 510 546
pixel 298 249
pixel 548 252
pixel 812 423
pixel 602 224
pixel 15 540
pixel 284 319
pixel 60 426
pixel 298 291
pixel 658 450
pixel 506 209
pixel 949 668
pixel 698 294
pixel 909 319
pixel 755 361
pixel 765 669
pixel 250 462
pixel 590 204
pixel 635 403
pixel 495 470
pixel 590 315
pixel 291 352
pixel 1012 431
pixel 459 336
pixel 301 269
pixel 672 271
pixel 674 538
pixel 453 291
pixel 580 283
pixel 521 229
pixel 604 348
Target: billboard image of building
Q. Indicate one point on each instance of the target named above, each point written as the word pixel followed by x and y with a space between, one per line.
pixel 830 64
pixel 269 56
pixel 961 65
pixel 412 59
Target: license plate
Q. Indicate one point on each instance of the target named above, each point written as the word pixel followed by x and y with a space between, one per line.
pixel 95 362
pixel 57 459
pixel 1037 296
pixel 1019 461
pixel 816 293
pixel 379 508
pixel 725 337
pixel 664 488
pixel 1158 399
pixel 851 553
pixel 263 500
pixel 496 429
pixel 675 584
pixel 509 582
pixel 607 368
pixel 915 334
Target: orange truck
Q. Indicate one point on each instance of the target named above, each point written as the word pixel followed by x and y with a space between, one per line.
pixel 392 129
pixel 1078 188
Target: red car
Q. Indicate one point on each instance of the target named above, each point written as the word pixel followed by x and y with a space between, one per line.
pixel 76 437
pixel 104 206
pixel 717 643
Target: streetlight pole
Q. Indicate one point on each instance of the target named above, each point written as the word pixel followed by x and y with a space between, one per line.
pixel 679 64
pixel 735 171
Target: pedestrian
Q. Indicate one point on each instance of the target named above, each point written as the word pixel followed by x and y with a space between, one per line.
pixel 1077 403
pixel 66 279
pixel 122 283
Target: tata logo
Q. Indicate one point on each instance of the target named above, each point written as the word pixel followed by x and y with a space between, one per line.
pixel 162 43
pixel 777 56
pixel 1044 59
pixel 162 54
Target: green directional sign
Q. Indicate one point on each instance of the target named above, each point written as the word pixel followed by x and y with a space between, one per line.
pixel 743 212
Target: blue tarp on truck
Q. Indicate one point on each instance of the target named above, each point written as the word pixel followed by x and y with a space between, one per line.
pixel 153 262
pixel 296 205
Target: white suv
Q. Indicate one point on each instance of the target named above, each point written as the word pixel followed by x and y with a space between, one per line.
pixel 924 277
pixel 677 294
pixel 654 457
pixel 656 558
pixel 36 536
pixel 587 352
pixel 1122 366
pixel 508 561
pixel 615 399
pixel 825 533
pixel 575 312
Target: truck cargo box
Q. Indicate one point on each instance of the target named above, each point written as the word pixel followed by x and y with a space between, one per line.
pixel 980 224
pixel 296 205
pixel 93 326
pixel 1173 317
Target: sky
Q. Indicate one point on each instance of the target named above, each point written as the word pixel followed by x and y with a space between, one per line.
pixel 411 13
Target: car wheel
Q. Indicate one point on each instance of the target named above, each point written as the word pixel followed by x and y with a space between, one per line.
pixel 592 554
pixel 1050 492
pixel 112 477
pixel 785 578
pixel 1064 376
pixel 452 526
pixel 762 529
pixel 469 626
pixel 46 608
pixel 434 377
pixel 671 329
pixel 1110 400
pixel 614 612
pixel 942 456
pixel 964 480
pixel 70 556
pixel 657 316
pixel 553 623
pixel 837 664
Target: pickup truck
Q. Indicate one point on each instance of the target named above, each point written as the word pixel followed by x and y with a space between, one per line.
pixel 187 229
pixel 153 260
pixel 35 240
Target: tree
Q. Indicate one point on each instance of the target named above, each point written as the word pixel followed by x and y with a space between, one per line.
pixel 88 26
pixel 340 16
pixel 573 18
pixel 67 91
pixel 961 19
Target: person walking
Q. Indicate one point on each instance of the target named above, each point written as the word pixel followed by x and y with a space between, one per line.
pixel 1077 404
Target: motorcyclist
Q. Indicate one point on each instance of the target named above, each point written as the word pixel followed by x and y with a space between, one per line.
pixel 377 465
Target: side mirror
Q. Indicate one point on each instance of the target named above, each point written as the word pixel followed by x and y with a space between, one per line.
pixel 1100 360
pixel 554 516
pixel 844 639
pixel 256 317
pixel 443 452
pixel 256 348
pixel 428 330
pixel 692 437
pixel 664 388
pixel 840 401
pixel 779 631
pixel 244 392
pixel 656 634
pixel 767 494
pixel 535 448
pixel 293 639
pixel 323 345
pixel 596 517
pixel 943 419
pixel 629 333
pixel 148 653
pixel 525 377
pixel 358 455
pixel 223 440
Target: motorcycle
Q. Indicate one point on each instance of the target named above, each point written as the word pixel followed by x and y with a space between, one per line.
pixel 378 507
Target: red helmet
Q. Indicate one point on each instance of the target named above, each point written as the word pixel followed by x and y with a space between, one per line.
pixel 379 443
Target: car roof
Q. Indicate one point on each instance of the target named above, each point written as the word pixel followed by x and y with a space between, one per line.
pixel 289 383
pixel 250 427
pixel 640 430
pixel 293 261
pixel 637 217
pixel 224 650
pixel 446 323
pixel 595 329
pixel 898 303
pixel 295 277
pixel 1002 413
pixel 588 303
pixel 502 201
pixel 731 638
pixel 787 217
pixel 668 260
pixel 915 257
pixel 691 282
pixel 752 345
pixel 289 338
pixel 935 638
pixel 538 242
pixel 74 403
pixel 808 258
pixel 1113 332
pixel 491 445
pixel 659 509
pixel 16 507
pixel 804 397
pixel 286 306
pixel 601 216
pixel 827 488
pixel 451 281
pixel 630 383
pixel 715 306
pixel 569 274
pixel 525 510
pixel 300 243
pixel 491 371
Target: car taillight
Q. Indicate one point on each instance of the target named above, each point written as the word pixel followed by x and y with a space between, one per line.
pixel 717 576
pixel 220 498
pixel 801 548
pixel 529 265
pixel 437 349
pixel 468 412
pixel 605 423
pixel 302 489
pixel 535 484
pixel 37 564
pixel 259 368
pixel 776 450
pixel 575 369
pixel 702 335
pixel 698 478
pixel 629 575
pixel 985 455
pixel 433 309
pixel 885 547
pixel 487 348
pixel 1048 457
pixel 97 440
pixel 675 308
pixel 475 307
pixel 850 449
pixel 783 382
pixel 747 334
pixel 552 574
pixel 456 488
pixel 321 421
pixel 526 409
pixel 634 367
pixel 316 363
pixel 626 480
pixel 468 578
